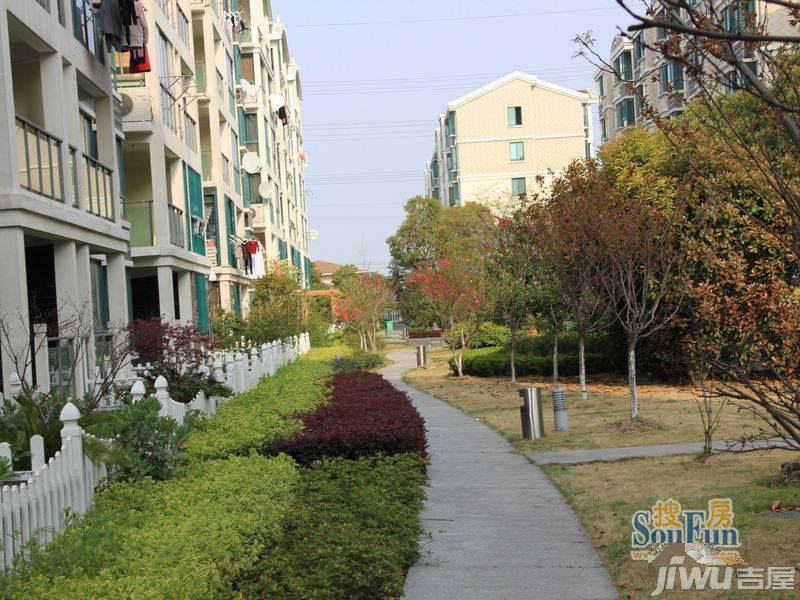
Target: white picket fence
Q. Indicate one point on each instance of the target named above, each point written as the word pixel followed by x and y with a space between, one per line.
pixel 37 508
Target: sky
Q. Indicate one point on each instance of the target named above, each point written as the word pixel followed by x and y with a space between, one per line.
pixel 375 77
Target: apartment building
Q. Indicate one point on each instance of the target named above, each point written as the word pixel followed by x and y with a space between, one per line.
pixel 160 167
pixel 63 236
pixel 270 127
pixel 493 144
pixel 642 77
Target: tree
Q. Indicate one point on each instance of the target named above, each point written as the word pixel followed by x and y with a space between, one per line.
pixel 278 308
pixel 344 275
pixel 513 284
pixel 316 280
pixel 563 226
pixel 414 243
pixel 365 299
pixel 457 290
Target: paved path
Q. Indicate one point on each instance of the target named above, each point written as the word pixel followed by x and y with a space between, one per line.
pixel 500 529
pixel 571 457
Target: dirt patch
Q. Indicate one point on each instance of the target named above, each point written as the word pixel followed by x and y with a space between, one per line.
pixel 632 425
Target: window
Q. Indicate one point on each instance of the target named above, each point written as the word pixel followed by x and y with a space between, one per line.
pixel 603 130
pixel 638 49
pixel 165 67
pixel 246 68
pixel 451 123
pixel 588 149
pixel 671 77
pixel 514 116
pixel 455 194
pixel 518 186
pixel 183 26
pixel 248 130
pixel 626 113
pixel 601 85
pixel 89 126
pixel 517 151
pixel 623 66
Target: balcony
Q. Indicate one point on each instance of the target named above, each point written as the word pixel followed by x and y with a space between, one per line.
pixel 140 216
pixel 176 227
pixel 97 187
pixel 39 160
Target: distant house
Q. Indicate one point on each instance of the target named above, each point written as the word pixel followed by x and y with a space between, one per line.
pixel 326 269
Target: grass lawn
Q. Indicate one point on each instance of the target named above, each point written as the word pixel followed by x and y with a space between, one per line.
pixel 606 495
pixel 668 413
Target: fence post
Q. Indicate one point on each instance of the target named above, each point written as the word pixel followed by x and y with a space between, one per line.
pixel 219 374
pixel 241 369
pixel 37 452
pixel 138 390
pixel 163 395
pixel 72 440
pixel 230 377
pixel 255 365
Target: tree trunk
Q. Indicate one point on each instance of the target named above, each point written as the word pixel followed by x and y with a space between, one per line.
pixel 582 368
pixel 555 360
pixel 513 355
pixel 459 364
pixel 632 378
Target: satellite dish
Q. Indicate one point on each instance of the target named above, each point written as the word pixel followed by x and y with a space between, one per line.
pixel 276 102
pixel 251 162
pixel 265 190
pixel 313 234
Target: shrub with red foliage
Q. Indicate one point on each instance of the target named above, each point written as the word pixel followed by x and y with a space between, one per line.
pixel 366 415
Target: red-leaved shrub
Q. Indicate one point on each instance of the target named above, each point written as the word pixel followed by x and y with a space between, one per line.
pixel 366 415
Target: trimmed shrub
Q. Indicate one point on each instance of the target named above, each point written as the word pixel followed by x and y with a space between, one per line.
pixel 181 539
pixel 366 415
pixel 258 418
pixel 491 334
pixel 357 361
pixel 351 536
pixel 416 334
pixel 496 362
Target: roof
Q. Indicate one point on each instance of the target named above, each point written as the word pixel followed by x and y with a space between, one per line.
pixel 519 76
pixel 326 267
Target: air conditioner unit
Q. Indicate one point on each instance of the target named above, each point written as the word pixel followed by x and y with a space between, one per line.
pixel 137 105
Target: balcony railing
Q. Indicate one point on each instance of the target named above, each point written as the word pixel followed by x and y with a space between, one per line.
pixel 97 187
pixel 176 227
pixel 39 160
pixel 140 216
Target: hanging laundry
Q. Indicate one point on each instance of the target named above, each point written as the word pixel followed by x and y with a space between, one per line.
pixel 283 115
pixel 108 14
pixel 138 32
pixel 140 60
pixel 259 266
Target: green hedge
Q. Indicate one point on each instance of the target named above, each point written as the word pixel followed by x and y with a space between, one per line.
pixel 258 418
pixel 180 539
pixel 351 536
pixel 496 362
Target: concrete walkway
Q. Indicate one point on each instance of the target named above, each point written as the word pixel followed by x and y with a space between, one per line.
pixel 572 457
pixel 499 528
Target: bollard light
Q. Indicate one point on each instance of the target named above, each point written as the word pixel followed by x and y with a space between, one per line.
pixel 560 409
pixel 531 413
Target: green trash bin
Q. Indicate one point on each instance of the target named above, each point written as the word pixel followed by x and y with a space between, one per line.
pixel 389 325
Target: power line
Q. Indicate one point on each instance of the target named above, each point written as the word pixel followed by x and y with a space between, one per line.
pixel 454 78
pixel 407 89
pixel 449 19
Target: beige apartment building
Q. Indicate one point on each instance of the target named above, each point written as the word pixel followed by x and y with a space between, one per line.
pixel 63 234
pixel 493 143
pixel 122 193
pixel 643 77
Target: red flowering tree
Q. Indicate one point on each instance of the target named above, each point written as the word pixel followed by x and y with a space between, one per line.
pixel 366 297
pixel 457 291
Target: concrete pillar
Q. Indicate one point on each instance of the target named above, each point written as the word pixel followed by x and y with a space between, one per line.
pixel 185 296
pixel 9 175
pixel 13 300
pixel 106 144
pixel 158 181
pixel 73 300
pixel 166 299
pixel 117 289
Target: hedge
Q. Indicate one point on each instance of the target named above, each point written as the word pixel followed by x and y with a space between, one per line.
pixel 496 362
pixel 352 535
pixel 180 539
pixel 366 415
pixel 263 415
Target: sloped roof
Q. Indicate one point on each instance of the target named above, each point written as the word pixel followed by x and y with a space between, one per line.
pixel 515 76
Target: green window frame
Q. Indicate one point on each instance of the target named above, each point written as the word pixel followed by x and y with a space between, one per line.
pixel 230 229
pixel 518 186
pixel 516 151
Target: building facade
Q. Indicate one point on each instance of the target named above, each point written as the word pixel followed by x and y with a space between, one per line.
pixel 122 193
pixel 639 76
pixel 494 144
